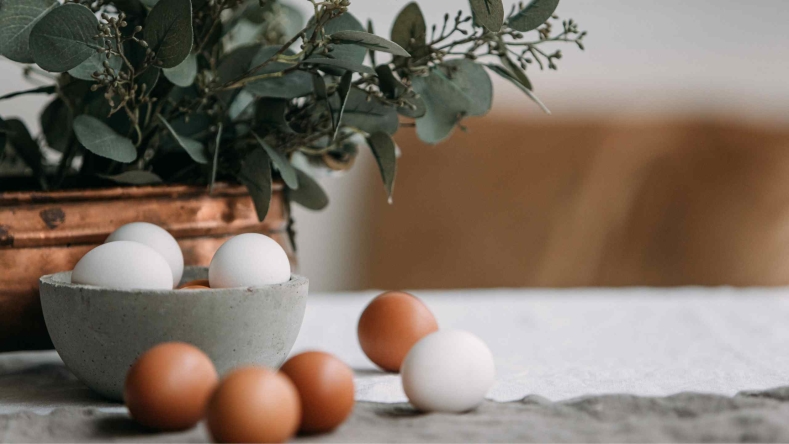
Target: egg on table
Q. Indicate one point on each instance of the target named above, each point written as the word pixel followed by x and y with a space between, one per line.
pixel 249 260
pixel 448 371
pixel 157 238
pixel 169 386
pixel 390 325
pixel 254 404
pixel 123 265
pixel 326 389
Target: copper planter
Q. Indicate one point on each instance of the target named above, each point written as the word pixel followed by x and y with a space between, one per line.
pixel 47 232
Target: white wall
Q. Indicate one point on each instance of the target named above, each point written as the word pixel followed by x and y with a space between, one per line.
pixel 643 57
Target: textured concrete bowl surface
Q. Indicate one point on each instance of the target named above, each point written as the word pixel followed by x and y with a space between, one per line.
pixel 100 332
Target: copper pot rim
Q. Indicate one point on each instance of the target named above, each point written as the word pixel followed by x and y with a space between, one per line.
pixel 124 192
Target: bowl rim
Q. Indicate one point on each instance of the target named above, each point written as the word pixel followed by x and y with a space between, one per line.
pixel 63 279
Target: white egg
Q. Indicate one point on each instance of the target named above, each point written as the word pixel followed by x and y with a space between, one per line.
pixel 123 264
pixel 448 371
pixel 157 238
pixel 249 260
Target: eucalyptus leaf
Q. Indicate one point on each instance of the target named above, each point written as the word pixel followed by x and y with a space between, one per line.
pixel 385 153
pixel 241 105
pixel 49 89
pixel 168 31
pixel 26 148
pixel 344 22
pixel 310 195
pixel 17 19
pixel 281 162
pixel 94 63
pixel 500 70
pixel 63 38
pixel 452 91
pixel 146 81
pixel 389 84
pixel 319 85
pixel 195 149
pixel 369 116
pixel 270 113
pixel 288 86
pixel 410 30
pixel 533 15
pixel 136 177
pixel 517 72
pixel 101 140
pixel 369 41
pixel 232 66
pixel 184 74
pixel 343 91
pixel 371 52
pixel 488 14
pixel 255 173
pixel 56 121
pixel 416 109
pixel 195 124
pixel 342 64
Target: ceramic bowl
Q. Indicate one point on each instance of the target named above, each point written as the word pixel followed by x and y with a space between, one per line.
pixel 100 332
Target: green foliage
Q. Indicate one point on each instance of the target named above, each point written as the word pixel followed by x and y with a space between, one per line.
pixel 385 154
pixel 197 91
pixel 451 92
pixel 17 18
pixel 184 73
pixel 255 173
pixel 281 163
pixel 370 41
pixel 135 177
pixel 509 75
pixel 63 38
pixel 85 70
pixel 488 13
pixel 98 138
pixel 195 149
pixel 168 31
pixel 26 148
pixel 310 195
pixel 409 29
pixel 533 15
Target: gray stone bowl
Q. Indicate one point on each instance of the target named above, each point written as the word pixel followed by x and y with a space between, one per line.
pixel 100 332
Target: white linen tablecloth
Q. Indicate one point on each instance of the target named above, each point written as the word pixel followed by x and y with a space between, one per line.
pixel 562 344
pixel 558 344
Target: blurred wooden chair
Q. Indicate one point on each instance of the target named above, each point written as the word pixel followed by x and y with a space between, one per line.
pixel 559 203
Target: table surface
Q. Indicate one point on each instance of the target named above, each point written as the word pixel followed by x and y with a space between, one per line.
pixel 558 344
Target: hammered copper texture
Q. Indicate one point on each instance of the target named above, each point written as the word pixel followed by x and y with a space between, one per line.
pixel 43 233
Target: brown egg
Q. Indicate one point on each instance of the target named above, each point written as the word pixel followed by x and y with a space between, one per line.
pixel 325 386
pixel 195 287
pixel 196 282
pixel 168 387
pixel 254 404
pixel 390 325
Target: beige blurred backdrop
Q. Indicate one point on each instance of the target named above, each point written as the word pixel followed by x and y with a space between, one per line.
pixel 664 154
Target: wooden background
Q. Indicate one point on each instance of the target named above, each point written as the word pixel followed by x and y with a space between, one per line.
pixel 566 202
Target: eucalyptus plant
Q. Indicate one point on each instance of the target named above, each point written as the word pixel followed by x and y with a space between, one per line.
pixel 198 91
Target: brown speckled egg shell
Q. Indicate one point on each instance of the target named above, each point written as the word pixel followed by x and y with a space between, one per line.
pixel 390 325
pixel 254 404
pixel 168 387
pixel 326 389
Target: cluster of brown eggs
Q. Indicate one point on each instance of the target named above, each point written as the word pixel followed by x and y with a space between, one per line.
pixel 174 385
